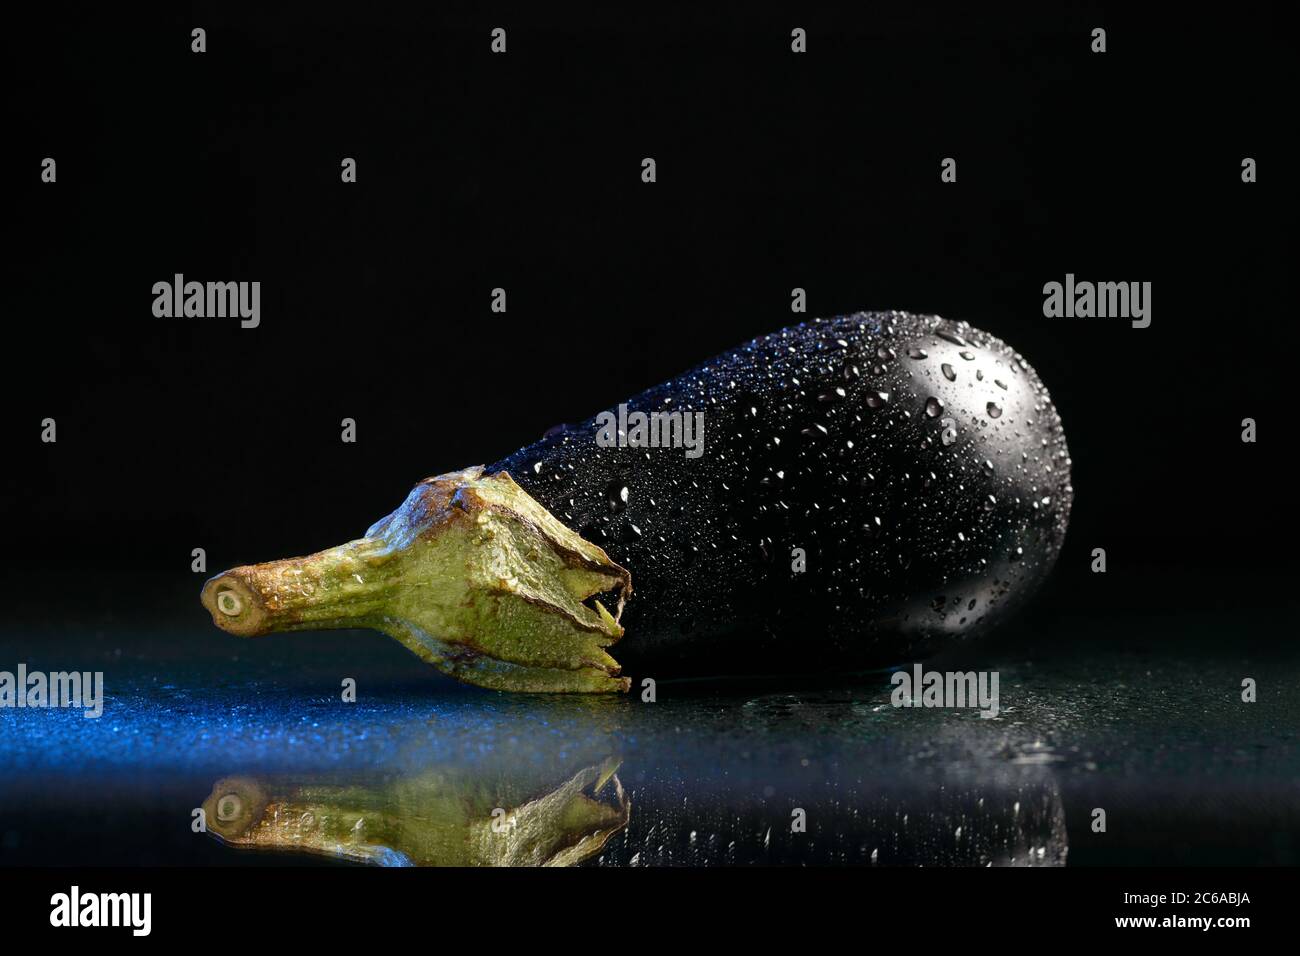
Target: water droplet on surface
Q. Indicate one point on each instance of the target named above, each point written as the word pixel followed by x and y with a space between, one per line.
pixel 948 373
pixel 994 410
pixel 933 407
pixel 877 399
pixel 917 353
pixel 616 495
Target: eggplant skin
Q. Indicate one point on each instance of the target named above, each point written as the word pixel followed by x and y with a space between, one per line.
pixel 918 463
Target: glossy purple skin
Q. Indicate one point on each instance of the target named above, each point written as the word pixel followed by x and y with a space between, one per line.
pixel 919 464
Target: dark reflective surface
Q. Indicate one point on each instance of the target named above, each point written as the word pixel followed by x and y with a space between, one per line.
pixel 711 773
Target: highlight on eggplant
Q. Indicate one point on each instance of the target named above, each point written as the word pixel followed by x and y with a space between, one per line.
pixel 872 487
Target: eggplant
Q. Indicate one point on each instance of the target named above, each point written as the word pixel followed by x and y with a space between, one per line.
pixel 864 490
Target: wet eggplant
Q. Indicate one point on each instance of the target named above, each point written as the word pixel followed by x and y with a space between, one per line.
pixel 839 495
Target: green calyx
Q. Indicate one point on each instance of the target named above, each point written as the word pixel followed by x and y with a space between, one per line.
pixel 470 573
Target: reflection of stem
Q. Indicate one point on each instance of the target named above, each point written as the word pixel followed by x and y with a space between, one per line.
pixel 430 820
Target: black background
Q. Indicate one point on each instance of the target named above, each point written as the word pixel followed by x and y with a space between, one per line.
pixel 775 170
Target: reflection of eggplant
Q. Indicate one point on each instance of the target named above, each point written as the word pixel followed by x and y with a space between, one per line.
pixel 435 819
pixel 866 488
pixel 998 817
